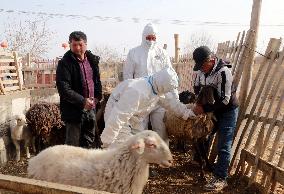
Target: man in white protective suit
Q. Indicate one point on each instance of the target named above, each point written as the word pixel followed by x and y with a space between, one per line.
pixel 147 59
pixel 132 101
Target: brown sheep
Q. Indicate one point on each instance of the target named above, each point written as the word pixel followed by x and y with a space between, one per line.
pixel 45 121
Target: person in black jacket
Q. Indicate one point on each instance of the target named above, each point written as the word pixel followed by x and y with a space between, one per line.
pixel 79 87
pixel 215 73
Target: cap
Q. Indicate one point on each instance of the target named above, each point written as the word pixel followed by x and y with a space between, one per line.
pixel 200 55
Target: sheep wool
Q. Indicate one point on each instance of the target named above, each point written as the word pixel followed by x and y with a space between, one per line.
pixel 43 118
pixel 197 127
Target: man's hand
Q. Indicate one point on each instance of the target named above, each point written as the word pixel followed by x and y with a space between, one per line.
pixel 89 102
pixel 198 109
pixel 191 114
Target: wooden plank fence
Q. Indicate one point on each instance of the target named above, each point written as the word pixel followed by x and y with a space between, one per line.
pixel 111 74
pixel 261 124
pixel 42 73
pixel 39 73
pixel 184 69
pixel 258 147
pixel 10 72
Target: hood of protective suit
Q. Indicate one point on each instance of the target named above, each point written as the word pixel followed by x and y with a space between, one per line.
pixel 149 29
pixel 165 81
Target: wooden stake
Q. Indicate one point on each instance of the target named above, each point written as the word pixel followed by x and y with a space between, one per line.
pixel 254 25
pixel 236 57
pixel 29 60
pixel 235 46
pixel 176 36
pixel 18 70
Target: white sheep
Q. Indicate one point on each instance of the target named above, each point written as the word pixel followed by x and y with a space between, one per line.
pixel 21 132
pixel 123 169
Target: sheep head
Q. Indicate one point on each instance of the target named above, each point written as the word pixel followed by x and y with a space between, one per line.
pixel 187 97
pixel 21 119
pixel 149 146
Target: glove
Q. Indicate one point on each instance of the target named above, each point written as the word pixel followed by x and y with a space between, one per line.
pixel 188 114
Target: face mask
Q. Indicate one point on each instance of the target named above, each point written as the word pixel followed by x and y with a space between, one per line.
pixel 150 43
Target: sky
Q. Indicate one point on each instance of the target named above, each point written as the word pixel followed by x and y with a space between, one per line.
pixel 119 23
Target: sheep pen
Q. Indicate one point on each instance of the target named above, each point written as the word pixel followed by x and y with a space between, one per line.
pixel 181 178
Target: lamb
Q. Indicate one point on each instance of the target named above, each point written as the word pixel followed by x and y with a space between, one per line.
pixel 21 132
pixel 123 169
pixel 45 121
pixel 196 130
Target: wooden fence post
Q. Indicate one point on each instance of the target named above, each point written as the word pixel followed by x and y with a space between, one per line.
pixel 247 72
pixel 29 60
pixel 238 51
pixel 176 36
pixel 18 70
pixel 247 60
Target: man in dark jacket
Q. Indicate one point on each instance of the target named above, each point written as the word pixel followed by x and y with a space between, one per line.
pixel 79 86
pixel 213 72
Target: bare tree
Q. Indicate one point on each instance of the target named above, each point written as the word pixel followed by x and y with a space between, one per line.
pixel 106 53
pixel 199 38
pixel 30 36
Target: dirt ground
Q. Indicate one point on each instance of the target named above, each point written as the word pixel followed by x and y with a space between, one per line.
pixel 182 178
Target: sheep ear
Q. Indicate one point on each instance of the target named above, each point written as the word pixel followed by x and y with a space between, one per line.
pixel 138 146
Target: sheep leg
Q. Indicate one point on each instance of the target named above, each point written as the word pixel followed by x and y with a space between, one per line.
pixel 204 153
pixel 38 144
pixel 18 150
pixel 181 145
pixel 27 143
pixel 98 141
pixel 184 146
pixel 33 144
pixel 200 160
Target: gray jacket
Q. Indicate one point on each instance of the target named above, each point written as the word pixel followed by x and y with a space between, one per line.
pixel 221 79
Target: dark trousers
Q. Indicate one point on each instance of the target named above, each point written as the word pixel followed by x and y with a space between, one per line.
pixel 83 134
